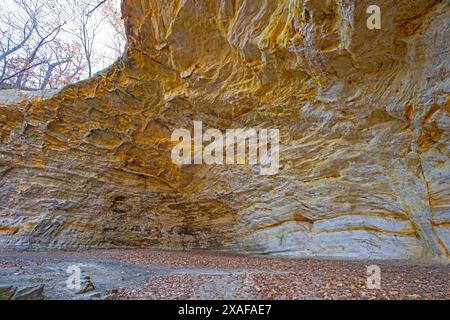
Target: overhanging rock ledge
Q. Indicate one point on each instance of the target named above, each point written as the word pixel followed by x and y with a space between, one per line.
pixel 363 116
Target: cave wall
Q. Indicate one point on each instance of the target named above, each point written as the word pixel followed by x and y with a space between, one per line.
pixel 363 117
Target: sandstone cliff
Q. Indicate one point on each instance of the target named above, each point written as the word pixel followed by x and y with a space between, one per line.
pixel 363 117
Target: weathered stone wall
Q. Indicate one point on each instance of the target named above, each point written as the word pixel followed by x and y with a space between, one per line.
pixel 363 116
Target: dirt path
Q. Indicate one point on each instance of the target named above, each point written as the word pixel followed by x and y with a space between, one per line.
pixel 143 274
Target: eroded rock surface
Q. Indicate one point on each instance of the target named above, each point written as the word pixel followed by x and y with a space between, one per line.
pixel 363 117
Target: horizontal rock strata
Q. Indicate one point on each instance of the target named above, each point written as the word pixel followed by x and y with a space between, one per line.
pixel 363 117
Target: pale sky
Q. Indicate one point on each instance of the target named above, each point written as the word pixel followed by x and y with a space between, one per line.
pixel 104 36
pixel 105 39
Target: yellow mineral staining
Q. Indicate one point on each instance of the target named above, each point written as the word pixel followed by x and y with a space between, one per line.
pixel 38 163
pixel 28 227
pixel 81 226
pixel 104 138
pixel 5 230
pixel 430 137
pixel 409 112
pixel 428 116
pixel 362 114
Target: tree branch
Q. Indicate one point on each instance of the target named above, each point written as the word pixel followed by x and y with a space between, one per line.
pixel 96 7
pixel 22 71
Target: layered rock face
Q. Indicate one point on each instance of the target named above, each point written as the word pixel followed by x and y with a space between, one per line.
pixel 363 118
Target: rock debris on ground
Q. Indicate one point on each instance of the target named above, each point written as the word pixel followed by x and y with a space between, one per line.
pixel 155 275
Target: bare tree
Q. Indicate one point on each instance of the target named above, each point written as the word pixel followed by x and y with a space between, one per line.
pixel 16 29
pixel 45 34
pixel 31 50
pixel 50 43
pixel 87 24
pixel 27 32
pixel 114 18
pixel 24 23
pixel 65 65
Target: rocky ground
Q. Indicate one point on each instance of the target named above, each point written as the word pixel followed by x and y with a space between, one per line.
pixel 142 274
